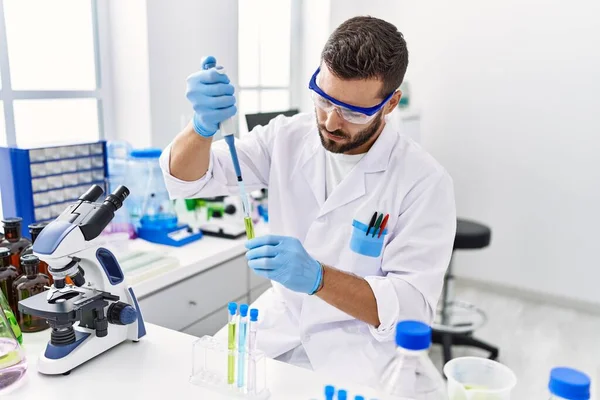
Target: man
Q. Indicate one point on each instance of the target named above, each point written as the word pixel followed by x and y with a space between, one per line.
pixel 340 282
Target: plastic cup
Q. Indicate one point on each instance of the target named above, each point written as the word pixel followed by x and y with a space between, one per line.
pixel 474 378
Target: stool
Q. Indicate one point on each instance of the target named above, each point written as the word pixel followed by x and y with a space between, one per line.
pixel 456 321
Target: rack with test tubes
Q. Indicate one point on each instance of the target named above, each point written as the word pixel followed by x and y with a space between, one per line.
pixel 235 368
pixel 38 183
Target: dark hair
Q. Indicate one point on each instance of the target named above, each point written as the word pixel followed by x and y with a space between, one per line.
pixel 367 47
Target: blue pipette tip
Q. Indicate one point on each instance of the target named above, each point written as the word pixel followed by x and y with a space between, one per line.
pixel 329 392
pixel 342 395
pixel 243 310
pixel 254 315
pixel 232 307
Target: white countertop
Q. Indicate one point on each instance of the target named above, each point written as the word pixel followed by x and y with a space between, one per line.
pixel 193 258
pixel 156 367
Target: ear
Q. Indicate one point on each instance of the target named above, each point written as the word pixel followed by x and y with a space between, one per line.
pixel 393 102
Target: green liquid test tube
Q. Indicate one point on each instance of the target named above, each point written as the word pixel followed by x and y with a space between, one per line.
pixel 249 227
pixel 232 311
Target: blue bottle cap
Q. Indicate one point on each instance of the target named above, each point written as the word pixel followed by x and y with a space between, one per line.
pixel 232 308
pixel 146 153
pixel 357 397
pixel 342 395
pixel 569 383
pixel 329 392
pixel 253 315
pixel 413 335
pixel 243 310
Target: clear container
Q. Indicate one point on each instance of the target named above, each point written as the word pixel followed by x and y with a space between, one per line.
pixel 117 162
pixel 568 384
pixel 12 320
pixel 411 374
pixel 474 378
pixel 13 363
pixel 149 204
pixel 210 369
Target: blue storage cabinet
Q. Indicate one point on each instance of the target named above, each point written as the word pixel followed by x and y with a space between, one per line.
pixel 37 184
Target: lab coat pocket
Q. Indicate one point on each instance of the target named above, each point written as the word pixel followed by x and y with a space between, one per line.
pixel 368 245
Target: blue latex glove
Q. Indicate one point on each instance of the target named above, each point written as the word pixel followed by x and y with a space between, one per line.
pixel 284 260
pixel 211 95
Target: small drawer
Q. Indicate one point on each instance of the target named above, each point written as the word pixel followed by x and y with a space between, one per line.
pixel 84 163
pixel 38 170
pixel 96 148
pixel 184 303
pixel 42 213
pixel 85 177
pixel 70 179
pixel 68 165
pixel 55 182
pixel 98 175
pixel 52 153
pixel 97 162
pixel 69 151
pixel 56 196
pixel 82 150
pixel 367 245
pixel 39 184
pixel 53 167
pixel 36 155
pixel 41 199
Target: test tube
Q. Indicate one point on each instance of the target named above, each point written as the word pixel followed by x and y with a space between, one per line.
pixel 232 311
pixel 252 351
pixel 342 395
pixel 243 329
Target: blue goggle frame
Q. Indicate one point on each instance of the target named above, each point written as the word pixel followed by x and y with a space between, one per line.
pixel 312 85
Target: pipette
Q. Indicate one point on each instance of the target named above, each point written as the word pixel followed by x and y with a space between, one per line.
pixel 243 329
pixel 227 128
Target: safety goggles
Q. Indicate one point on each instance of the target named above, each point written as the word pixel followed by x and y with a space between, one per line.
pixel 352 114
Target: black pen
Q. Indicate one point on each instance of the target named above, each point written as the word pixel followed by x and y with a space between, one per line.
pixel 373 219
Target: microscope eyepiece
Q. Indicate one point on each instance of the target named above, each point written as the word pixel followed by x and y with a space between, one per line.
pixel 92 194
pixel 115 199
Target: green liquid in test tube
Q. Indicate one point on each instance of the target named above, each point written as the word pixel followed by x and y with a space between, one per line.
pixel 232 311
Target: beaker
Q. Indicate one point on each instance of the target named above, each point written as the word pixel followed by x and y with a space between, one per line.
pixel 13 363
pixel 474 378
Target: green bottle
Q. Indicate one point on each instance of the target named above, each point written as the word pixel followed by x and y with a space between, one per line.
pixel 11 318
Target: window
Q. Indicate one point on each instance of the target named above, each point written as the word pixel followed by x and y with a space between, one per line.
pixel 265 41
pixel 49 68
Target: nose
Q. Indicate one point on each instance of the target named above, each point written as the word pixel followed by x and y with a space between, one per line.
pixel 334 120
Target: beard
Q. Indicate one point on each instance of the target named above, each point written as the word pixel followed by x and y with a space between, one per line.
pixel 350 143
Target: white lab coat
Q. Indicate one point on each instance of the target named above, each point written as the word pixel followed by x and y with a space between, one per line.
pixel 397 177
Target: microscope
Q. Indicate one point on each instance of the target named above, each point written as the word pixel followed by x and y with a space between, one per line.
pixel 79 314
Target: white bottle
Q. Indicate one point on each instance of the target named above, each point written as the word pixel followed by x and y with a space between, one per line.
pixel 411 374
pixel 568 384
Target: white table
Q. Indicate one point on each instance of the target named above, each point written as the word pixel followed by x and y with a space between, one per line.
pixel 157 367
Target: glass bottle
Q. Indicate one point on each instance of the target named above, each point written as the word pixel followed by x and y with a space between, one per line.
pixel 13 363
pixel 568 384
pixel 12 320
pixel 29 284
pixel 8 273
pixel 34 231
pixel 411 374
pixel 13 240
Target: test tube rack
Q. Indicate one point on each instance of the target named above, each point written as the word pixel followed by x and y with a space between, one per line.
pixel 209 370
pixel 38 183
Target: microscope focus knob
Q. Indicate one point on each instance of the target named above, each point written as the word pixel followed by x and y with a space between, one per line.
pixel 120 313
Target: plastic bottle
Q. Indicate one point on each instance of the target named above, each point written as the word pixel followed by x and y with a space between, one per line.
pixel 568 384
pixel 411 374
pixel 29 284
pixel 34 231
pixel 8 274
pixel 13 239
pixel 329 392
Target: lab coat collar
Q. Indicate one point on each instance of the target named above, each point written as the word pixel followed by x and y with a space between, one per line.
pixel 354 185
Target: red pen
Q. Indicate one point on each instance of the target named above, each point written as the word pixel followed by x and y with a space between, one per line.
pixel 383 224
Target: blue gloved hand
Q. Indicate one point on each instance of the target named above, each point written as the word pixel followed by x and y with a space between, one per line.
pixel 211 96
pixel 284 260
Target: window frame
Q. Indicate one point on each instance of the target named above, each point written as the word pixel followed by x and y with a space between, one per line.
pixel 101 94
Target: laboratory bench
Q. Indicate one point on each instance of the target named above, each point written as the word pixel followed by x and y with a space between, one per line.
pixel 156 367
pixel 192 297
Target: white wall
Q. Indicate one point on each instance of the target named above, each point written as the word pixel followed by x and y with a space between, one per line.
pixel 156 44
pixel 509 97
